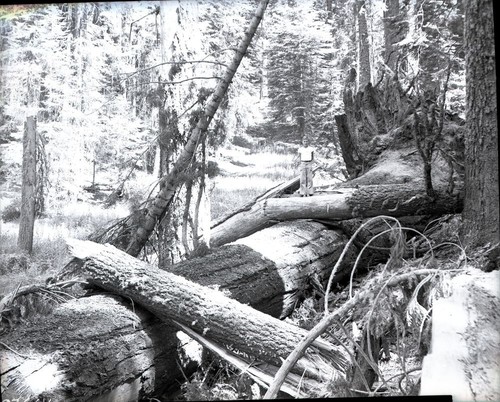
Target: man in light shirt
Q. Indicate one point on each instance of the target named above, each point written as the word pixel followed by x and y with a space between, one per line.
pixel 306 153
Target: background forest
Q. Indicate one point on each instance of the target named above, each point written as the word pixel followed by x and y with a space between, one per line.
pixel 115 88
pixel 113 92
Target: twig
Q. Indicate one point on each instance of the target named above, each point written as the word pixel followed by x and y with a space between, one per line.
pixel 328 320
pixel 169 62
pixel 14 351
pixel 398 375
pixel 370 393
pixel 342 255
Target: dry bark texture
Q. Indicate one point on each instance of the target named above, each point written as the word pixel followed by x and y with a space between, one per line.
pixel 205 310
pixel 345 203
pixel 270 270
pixel 481 211
pixel 86 347
pixel 27 220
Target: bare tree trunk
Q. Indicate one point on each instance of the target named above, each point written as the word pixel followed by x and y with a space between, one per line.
pixel 481 209
pixel 27 222
pixel 346 203
pixel 364 47
pixel 174 177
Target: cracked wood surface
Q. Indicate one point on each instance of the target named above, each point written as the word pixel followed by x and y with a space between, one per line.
pixel 97 345
pixel 345 203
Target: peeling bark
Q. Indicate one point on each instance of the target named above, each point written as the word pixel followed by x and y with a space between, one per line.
pixel 136 353
pixel 346 203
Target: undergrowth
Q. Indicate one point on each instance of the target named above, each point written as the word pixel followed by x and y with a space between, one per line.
pixel 49 253
pixel 383 323
pixel 254 174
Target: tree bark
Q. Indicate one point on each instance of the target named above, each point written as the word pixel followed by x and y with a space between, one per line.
pixel 140 346
pixel 364 47
pixel 345 203
pixel 204 310
pixel 174 178
pixel 481 205
pixel 27 221
pixel 352 160
pixel 89 349
pixel 270 279
pixel 394 32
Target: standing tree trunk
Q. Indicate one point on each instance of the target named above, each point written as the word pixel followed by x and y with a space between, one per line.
pixel 481 206
pixel 364 47
pixel 395 29
pixel 27 222
pixel 174 177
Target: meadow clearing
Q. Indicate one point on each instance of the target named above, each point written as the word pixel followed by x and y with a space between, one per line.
pixel 243 176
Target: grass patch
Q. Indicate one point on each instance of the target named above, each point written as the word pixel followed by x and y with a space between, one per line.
pixel 240 185
pixel 50 253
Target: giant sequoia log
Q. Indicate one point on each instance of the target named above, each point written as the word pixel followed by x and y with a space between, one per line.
pixel 134 352
pixel 89 349
pixel 270 269
pixel 342 204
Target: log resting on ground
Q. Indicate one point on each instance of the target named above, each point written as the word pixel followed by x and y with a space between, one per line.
pixel 271 269
pixel 346 203
pixel 207 311
pixel 94 348
pixel 103 346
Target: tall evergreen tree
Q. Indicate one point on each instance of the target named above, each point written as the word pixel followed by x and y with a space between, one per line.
pixel 481 210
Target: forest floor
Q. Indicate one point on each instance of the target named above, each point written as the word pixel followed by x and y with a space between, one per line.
pixel 243 175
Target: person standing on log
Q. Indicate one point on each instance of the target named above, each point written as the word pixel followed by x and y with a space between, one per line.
pixel 306 153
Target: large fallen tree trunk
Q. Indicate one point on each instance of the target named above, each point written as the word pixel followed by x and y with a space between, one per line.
pixel 129 349
pixel 89 349
pixel 270 270
pixel 205 310
pixel 345 203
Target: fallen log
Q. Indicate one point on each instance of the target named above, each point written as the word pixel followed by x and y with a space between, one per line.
pixel 94 348
pixel 202 309
pixel 341 204
pixel 269 270
pixel 287 187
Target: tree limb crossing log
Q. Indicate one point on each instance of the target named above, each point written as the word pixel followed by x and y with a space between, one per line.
pixel 345 203
pixel 205 310
pixel 270 269
pixel 102 347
